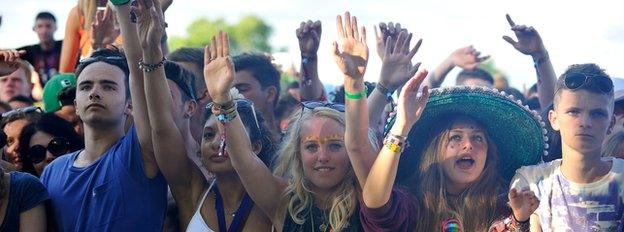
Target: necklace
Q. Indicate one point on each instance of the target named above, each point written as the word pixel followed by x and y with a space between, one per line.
pixel 323 226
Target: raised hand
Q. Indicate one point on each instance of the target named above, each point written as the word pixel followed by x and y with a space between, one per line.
pixel 352 56
pixel 309 35
pixel 103 29
pixel 529 41
pixel 219 68
pixel 150 24
pixel 410 106
pixel 396 65
pixel 467 57
pixel 8 60
pixel 522 203
pixel 390 30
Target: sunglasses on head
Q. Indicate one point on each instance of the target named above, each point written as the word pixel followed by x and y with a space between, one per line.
pixel 245 103
pixel 101 58
pixel 316 104
pixel 577 80
pixel 57 146
pixel 20 111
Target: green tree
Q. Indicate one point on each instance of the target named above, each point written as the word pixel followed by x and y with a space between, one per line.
pixel 250 33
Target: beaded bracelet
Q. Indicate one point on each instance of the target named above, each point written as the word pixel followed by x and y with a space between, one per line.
pixel 385 91
pixel 151 67
pixel 358 95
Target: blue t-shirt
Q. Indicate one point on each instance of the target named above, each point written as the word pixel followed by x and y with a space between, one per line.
pixel 112 194
pixel 26 192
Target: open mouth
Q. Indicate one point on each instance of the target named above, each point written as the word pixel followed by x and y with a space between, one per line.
pixel 323 169
pixel 465 163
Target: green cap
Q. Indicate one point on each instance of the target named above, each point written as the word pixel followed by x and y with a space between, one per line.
pixel 119 2
pixel 53 87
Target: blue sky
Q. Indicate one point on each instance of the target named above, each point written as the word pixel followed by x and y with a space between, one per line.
pixel 573 31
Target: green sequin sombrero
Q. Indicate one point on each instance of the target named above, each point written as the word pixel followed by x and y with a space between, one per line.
pixel 517 131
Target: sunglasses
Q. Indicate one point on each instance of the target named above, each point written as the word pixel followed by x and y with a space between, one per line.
pixel 316 104
pixel 57 146
pixel 22 111
pixel 240 103
pixel 577 80
pixel 101 58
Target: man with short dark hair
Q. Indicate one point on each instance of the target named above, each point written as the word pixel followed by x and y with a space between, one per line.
pixel 45 55
pixel 259 81
pixel 582 191
pixel 192 59
pixel 114 184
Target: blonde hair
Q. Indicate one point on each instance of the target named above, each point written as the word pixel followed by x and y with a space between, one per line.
pixel 474 207
pixel 289 165
pixel 87 9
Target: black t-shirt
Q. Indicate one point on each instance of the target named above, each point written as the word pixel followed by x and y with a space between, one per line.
pixel 46 63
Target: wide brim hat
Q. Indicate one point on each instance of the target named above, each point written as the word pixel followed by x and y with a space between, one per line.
pixel 517 131
pixel 53 87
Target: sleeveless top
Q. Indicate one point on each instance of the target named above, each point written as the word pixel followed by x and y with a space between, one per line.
pixel 319 221
pixel 197 223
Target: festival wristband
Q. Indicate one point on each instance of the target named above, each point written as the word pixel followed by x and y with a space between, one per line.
pixel 119 2
pixel 358 95
pixel 395 143
pixel 384 90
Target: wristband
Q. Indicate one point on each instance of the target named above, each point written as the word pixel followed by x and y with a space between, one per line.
pixel 395 143
pixel 384 90
pixel 358 95
pixel 539 61
pixel 119 2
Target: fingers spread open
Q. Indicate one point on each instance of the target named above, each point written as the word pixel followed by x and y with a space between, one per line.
pixel 226 43
pixel 510 40
pixel 213 47
pixel 415 49
pixel 354 26
pixel 348 25
pixel 219 45
pixel 340 26
pixel 509 20
pixel 363 35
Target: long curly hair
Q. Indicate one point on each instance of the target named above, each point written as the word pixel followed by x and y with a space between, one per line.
pixel 474 207
pixel 343 200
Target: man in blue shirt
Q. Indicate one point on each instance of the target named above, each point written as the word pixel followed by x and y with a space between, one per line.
pixel 113 184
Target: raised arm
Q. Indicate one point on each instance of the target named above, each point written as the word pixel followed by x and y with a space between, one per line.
pixel 396 69
pixel 139 106
pixel 466 58
pixel 103 31
pixel 264 188
pixel 378 187
pixel 352 59
pixel 309 36
pixel 530 43
pixel 71 42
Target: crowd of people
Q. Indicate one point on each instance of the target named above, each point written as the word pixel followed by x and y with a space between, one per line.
pixel 109 131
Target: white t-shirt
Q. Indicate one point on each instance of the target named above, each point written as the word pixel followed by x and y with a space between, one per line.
pixel 568 206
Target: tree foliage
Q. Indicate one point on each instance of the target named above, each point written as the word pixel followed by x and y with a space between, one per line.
pixel 250 33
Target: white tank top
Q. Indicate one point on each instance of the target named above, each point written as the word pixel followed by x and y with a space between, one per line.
pixel 197 223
